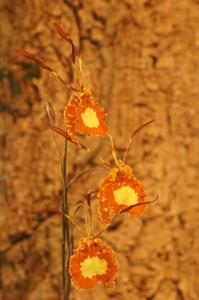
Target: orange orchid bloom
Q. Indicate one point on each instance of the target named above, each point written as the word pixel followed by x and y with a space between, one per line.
pixel 121 191
pixel 92 262
pixel 83 116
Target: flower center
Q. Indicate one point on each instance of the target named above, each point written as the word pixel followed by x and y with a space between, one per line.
pixel 93 266
pixel 90 118
pixel 126 196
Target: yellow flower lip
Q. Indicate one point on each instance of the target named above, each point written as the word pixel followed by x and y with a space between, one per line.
pixel 126 195
pixel 93 266
pixel 90 118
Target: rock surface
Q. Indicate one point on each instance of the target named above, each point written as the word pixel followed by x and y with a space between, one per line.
pixel 141 60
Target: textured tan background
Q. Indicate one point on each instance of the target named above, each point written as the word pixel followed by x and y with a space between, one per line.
pixel 141 59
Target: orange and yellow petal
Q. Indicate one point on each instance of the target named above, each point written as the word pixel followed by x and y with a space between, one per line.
pixel 83 116
pixel 112 267
pixel 119 191
pixel 78 280
pixel 91 263
pixel 124 194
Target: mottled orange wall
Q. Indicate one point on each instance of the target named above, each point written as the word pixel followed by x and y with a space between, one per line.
pixel 141 59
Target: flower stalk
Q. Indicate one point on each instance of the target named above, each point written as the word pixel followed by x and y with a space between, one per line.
pixel 66 236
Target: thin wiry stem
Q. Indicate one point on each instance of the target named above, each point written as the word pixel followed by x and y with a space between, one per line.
pixel 66 243
pixel 66 240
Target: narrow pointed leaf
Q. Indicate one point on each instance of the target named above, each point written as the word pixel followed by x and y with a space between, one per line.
pixel 71 139
pixel 34 58
pixel 66 36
